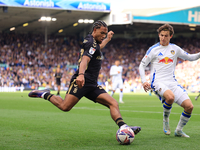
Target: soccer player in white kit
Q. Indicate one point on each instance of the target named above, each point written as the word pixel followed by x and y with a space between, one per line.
pixel 117 82
pixel 163 58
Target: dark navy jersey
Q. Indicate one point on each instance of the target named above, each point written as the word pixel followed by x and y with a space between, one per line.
pixel 58 76
pixel 91 49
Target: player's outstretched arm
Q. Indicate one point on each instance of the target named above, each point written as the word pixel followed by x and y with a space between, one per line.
pixel 190 57
pixel 80 80
pixel 106 40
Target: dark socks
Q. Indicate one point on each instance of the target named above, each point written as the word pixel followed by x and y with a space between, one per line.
pixel 120 122
pixel 47 96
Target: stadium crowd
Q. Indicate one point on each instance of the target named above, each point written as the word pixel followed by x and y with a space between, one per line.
pixel 26 61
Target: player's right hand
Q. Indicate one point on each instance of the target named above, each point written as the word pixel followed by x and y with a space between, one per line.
pixel 110 35
pixel 80 81
pixel 146 86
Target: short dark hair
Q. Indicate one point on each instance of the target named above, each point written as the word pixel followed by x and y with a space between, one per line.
pixel 98 25
pixel 166 27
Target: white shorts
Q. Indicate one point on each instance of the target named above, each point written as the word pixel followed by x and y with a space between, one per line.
pixel 117 84
pixel 180 94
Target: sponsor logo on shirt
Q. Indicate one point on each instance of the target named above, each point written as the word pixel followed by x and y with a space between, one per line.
pixel 166 60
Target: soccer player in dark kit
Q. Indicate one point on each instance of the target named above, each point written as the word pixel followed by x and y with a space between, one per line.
pixel 58 76
pixel 84 81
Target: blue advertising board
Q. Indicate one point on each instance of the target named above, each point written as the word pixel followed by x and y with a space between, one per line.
pixel 59 4
pixel 186 16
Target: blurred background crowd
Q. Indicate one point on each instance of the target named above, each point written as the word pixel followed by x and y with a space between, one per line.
pixel 26 61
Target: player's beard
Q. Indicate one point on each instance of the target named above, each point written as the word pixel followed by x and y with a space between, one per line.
pixel 99 41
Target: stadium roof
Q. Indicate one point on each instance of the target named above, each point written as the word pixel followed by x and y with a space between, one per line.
pixel 17 16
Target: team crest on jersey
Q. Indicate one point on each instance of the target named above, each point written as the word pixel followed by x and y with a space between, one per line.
pixel 160 89
pixel 92 50
pixel 173 52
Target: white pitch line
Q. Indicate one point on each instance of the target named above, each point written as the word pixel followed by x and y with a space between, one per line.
pixel 153 112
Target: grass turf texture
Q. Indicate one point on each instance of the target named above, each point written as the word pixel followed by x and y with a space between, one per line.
pixel 35 124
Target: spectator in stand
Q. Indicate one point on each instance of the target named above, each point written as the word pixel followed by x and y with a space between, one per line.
pixel 26 57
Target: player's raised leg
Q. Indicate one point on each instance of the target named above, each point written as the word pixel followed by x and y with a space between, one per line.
pixel 184 118
pixel 64 105
pixel 167 105
pixel 108 101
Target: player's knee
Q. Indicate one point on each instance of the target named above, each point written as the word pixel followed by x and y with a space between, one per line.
pixel 189 108
pixel 115 104
pixel 66 109
pixel 170 99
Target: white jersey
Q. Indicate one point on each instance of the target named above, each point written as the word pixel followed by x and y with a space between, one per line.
pixel 163 61
pixel 116 73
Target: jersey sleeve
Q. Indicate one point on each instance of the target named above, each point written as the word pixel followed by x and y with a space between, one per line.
pixel 145 61
pixel 89 49
pixel 147 58
pixel 186 56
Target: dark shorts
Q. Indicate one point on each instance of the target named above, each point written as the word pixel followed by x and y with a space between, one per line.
pixel 90 91
pixel 58 82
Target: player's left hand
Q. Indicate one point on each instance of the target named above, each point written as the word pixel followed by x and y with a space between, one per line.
pixel 110 35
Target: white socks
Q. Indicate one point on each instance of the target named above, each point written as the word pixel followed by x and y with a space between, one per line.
pixel 111 93
pixel 166 113
pixel 183 121
pixel 120 96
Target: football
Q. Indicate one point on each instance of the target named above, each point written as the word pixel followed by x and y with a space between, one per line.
pixel 125 135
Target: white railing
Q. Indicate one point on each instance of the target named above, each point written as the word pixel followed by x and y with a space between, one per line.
pixel 11 89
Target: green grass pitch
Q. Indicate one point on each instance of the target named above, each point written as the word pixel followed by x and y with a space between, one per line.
pixel 35 124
